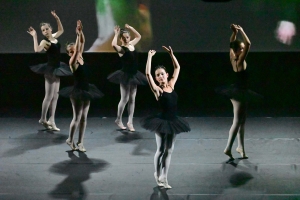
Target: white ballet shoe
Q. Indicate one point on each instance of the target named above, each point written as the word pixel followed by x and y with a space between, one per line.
pixel 157 180
pixel 120 125
pixel 52 126
pixel 81 147
pixel 45 124
pixel 240 151
pixel 71 144
pixel 165 183
pixel 130 127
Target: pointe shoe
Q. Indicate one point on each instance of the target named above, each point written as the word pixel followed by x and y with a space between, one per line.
pixel 240 151
pixel 52 126
pixel 228 153
pixel 157 180
pixel 130 127
pixel 71 144
pixel 81 147
pixel 45 124
pixel 120 125
pixel 165 184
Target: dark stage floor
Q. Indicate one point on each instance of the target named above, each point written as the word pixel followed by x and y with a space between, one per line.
pixel 36 164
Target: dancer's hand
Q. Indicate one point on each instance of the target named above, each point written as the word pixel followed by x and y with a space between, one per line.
pixel 169 50
pixel 151 53
pixel 233 28
pixel 127 26
pixel 54 14
pixel 79 27
pixel 31 31
pixel 238 27
pixel 117 30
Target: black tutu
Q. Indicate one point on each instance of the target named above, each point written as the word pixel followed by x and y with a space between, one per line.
pixel 62 70
pixel 157 123
pixel 121 77
pixel 71 92
pixel 239 94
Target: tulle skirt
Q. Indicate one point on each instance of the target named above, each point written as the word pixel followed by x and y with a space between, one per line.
pixel 239 94
pixel 158 124
pixel 62 70
pixel 121 77
pixel 79 94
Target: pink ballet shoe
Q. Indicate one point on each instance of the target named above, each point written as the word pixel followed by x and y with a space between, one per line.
pixel 240 151
pixel 81 147
pixel 228 153
pixel 120 125
pixel 71 144
pixel 157 180
pixel 130 127
pixel 52 126
pixel 165 183
pixel 45 124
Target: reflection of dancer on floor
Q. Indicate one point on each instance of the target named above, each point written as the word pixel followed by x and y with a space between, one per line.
pixel 238 92
pixel 51 70
pixel 128 77
pixel 167 124
pixel 81 93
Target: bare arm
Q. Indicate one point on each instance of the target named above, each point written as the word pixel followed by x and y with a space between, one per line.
pixel 155 89
pixel 247 43
pixel 73 60
pixel 137 36
pixel 176 67
pixel 37 47
pixel 60 28
pixel 232 39
pixel 114 42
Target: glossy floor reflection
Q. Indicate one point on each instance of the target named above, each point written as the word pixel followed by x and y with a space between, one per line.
pixel 37 164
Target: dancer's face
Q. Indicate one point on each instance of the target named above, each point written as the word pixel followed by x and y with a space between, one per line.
pixel 161 76
pixel 46 30
pixel 70 50
pixel 125 38
pixel 240 49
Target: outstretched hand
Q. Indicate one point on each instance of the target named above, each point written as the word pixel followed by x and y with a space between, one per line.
pixel 54 14
pixel 117 30
pixel 169 50
pixel 151 53
pixel 79 27
pixel 127 26
pixel 233 28
pixel 31 31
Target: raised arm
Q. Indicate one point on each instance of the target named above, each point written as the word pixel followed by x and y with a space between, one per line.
pixel 60 28
pixel 247 43
pixel 73 60
pixel 155 89
pixel 114 42
pixel 137 36
pixel 37 47
pixel 176 67
pixel 232 39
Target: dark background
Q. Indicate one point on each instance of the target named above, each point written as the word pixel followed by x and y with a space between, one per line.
pixel 275 75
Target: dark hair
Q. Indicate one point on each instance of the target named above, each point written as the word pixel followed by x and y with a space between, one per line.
pixel 235 45
pixel 45 23
pixel 160 67
pixel 122 31
pixel 68 44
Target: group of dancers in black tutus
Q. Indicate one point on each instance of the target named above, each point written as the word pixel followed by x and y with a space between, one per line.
pixel 166 125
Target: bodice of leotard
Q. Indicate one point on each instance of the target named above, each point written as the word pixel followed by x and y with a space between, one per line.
pixel 129 61
pixel 168 104
pixel 53 54
pixel 80 78
pixel 242 79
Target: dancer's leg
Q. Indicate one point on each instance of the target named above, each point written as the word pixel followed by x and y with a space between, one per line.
pixel 160 146
pixel 166 159
pixel 238 115
pixel 82 125
pixel 124 89
pixel 53 104
pixel 131 105
pixel 77 106
pixel 241 132
pixel 49 91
